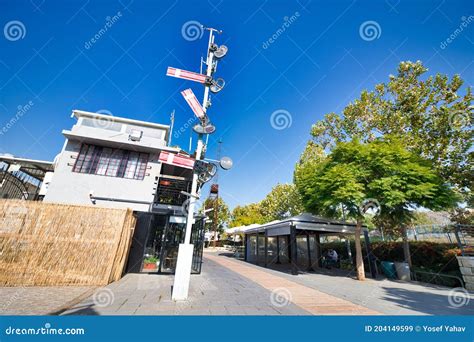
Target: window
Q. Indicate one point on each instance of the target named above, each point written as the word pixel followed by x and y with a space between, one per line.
pixel 105 161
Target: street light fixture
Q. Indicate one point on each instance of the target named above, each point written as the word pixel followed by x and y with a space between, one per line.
pixel 202 172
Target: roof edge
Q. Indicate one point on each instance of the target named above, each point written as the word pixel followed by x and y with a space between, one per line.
pixel 81 113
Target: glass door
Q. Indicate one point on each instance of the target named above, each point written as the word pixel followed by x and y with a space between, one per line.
pixel 173 236
pixel 152 257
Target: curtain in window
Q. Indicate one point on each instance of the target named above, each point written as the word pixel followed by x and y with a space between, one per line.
pixel 105 161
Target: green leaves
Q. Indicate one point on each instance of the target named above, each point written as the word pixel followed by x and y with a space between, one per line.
pixel 223 213
pixel 247 215
pixel 383 169
pixel 428 114
pixel 283 201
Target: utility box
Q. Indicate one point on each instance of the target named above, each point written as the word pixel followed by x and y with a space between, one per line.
pixel 403 271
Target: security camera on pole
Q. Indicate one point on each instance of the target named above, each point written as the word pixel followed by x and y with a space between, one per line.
pixel 203 170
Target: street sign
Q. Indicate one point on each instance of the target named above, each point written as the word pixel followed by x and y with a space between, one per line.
pixel 194 104
pixel 176 159
pixel 186 75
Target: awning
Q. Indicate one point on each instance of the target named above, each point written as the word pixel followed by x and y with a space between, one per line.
pixel 240 229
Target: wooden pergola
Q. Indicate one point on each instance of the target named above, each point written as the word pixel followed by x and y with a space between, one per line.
pixel 289 230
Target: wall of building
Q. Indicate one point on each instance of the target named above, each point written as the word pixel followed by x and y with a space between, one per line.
pixel 70 187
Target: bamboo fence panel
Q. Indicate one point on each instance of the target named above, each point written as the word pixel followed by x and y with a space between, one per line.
pixel 48 244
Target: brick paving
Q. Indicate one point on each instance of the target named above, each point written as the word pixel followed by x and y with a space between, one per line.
pixel 307 298
pixel 385 296
pixel 40 300
pixel 233 287
pixel 216 291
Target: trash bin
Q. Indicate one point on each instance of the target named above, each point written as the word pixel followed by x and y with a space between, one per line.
pixel 388 268
pixel 403 271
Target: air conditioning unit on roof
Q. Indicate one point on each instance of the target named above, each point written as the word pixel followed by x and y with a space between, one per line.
pixel 135 135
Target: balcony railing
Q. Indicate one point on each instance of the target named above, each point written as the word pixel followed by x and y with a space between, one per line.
pixel 169 191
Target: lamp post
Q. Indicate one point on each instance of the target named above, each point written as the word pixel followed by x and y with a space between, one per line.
pixel 186 249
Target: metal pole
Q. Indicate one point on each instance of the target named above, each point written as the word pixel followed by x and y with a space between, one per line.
pixel 171 128
pixel 185 253
pixel 200 144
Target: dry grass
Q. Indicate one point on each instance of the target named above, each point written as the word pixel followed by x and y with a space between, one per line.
pixel 48 244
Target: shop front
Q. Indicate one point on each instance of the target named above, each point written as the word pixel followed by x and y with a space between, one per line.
pixel 156 241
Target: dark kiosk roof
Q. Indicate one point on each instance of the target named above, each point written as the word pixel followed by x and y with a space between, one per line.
pixel 305 222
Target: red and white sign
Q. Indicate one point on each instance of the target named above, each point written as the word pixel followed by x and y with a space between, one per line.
pixel 176 160
pixel 187 75
pixel 194 103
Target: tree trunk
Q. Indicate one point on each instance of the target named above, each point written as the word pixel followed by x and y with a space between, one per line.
pixel 406 246
pixel 358 249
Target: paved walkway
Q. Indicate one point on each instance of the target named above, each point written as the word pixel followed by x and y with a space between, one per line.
pixel 231 287
pixel 285 290
pixel 40 300
pixel 216 291
pixel 384 296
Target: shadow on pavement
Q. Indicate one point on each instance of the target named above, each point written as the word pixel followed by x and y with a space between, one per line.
pixel 428 302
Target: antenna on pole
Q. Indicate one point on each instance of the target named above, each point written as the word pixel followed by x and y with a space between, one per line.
pixel 171 127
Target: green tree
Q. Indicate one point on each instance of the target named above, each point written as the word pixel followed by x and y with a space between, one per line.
pixel 223 213
pixel 382 171
pixel 431 114
pixel 283 201
pixel 246 215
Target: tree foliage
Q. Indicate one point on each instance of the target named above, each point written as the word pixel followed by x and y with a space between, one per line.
pixel 383 170
pixel 223 212
pixel 282 202
pixel 247 215
pixel 429 113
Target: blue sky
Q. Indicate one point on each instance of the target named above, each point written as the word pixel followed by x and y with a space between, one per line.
pixel 320 62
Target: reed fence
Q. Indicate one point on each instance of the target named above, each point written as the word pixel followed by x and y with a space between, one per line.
pixel 48 244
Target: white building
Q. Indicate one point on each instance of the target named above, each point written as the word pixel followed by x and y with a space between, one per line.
pixel 107 161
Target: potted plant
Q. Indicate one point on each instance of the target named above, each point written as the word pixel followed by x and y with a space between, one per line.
pixel 150 263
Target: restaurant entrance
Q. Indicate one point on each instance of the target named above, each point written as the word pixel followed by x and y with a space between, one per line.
pixel 156 241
